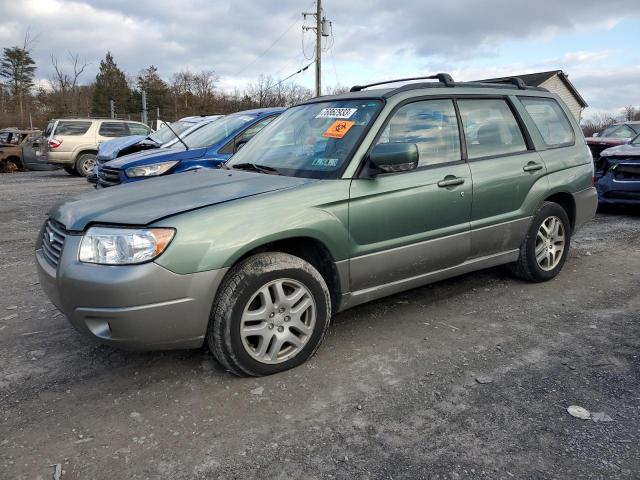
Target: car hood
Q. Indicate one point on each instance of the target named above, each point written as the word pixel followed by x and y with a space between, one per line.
pixel 628 149
pixel 157 155
pixel 109 149
pixel 141 203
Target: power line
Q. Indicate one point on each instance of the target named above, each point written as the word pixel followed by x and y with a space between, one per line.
pixel 293 74
pixel 268 49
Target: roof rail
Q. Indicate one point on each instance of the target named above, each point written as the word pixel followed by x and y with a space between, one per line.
pixel 441 77
pixel 517 81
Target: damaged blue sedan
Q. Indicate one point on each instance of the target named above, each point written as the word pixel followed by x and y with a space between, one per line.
pixel 617 174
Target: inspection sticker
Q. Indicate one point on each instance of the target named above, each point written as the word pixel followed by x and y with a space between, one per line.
pixel 336 112
pixel 338 129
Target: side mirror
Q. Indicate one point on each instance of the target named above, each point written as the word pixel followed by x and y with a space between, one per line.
pixel 393 157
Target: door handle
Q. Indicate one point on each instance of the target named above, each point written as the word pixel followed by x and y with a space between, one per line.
pixel 450 182
pixel 532 167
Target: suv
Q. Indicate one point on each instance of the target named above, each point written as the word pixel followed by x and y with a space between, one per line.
pixel 73 143
pixel 205 146
pixel 341 200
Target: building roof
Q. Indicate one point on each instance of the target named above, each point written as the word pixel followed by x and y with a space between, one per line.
pixel 537 79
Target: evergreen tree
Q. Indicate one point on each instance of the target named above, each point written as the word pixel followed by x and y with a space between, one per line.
pixel 111 83
pixel 158 91
pixel 18 68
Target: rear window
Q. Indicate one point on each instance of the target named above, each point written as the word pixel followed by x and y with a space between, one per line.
pixel 490 129
pixel 138 129
pixel 113 129
pixel 49 128
pixel 66 127
pixel 550 120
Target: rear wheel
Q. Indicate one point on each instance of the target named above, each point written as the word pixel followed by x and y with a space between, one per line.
pixel 85 164
pixel 546 246
pixel 271 314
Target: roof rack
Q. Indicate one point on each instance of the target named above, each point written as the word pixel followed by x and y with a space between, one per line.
pixel 441 77
pixel 517 81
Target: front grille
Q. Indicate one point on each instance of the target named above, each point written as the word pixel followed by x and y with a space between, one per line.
pixel 53 241
pixel 108 176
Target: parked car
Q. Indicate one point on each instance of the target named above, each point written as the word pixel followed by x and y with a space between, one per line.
pixel 11 142
pixel 73 143
pixel 205 147
pixel 341 200
pixel 618 174
pixel 616 134
pixel 162 138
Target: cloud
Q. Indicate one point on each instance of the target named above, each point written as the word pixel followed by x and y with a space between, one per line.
pixel 373 38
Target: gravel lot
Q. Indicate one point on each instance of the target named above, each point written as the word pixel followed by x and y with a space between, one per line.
pixel 394 392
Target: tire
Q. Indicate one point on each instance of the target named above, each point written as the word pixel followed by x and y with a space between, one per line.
pixel 71 170
pixel 540 259
pixel 85 164
pixel 245 287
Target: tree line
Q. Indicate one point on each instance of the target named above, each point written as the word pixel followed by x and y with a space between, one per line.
pixel 23 101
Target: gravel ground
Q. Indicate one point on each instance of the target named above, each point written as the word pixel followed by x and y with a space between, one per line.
pixel 467 378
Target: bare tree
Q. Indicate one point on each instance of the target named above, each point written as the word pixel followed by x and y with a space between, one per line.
pixel 597 124
pixel 65 85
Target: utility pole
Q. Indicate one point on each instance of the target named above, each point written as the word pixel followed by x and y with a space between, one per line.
pixel 112 108
pixel 144 107
pixel 321 31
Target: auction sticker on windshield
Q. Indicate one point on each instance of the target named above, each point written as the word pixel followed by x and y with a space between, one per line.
pixel 336 112
pixel 338 129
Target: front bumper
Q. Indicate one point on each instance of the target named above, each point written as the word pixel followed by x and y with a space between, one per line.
pixel 614 192
pixel 140 307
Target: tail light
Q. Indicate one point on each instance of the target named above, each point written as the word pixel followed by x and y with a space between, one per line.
pixel 54 142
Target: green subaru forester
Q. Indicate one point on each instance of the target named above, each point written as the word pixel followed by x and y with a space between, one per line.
pixel 341 200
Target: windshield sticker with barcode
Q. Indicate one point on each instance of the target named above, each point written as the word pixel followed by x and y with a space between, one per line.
pixel 336 112
pixel 325 162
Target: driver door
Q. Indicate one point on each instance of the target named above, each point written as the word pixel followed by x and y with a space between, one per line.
pixel 403 225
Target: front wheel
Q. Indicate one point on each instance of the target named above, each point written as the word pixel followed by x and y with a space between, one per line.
pixel 546 246
pixel 271 314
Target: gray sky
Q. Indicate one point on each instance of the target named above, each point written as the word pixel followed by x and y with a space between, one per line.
pixel 596 43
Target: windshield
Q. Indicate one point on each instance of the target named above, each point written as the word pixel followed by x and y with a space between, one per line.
pixel 217 131
pixel 618 131
pixel 636 140
pixel 165 135
pixel 312 140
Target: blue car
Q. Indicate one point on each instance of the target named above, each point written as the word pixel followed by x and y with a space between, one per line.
pixel 205 147
pixel 162 138
pixel 617 174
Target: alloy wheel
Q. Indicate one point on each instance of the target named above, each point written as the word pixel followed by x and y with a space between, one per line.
pixel 278 321
pixel 550 243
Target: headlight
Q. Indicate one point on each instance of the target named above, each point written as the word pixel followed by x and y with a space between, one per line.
pixel 123 246
pixel 152 170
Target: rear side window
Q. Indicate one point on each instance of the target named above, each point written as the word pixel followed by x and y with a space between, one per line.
pixel 138 129
pixel 490 129
pixel 66 127
pixel 432 125
pixel 550 120
pixel 113 129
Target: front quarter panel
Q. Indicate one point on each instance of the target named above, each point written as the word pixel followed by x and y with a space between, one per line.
pixel 217 236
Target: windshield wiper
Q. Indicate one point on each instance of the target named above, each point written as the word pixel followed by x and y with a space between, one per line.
pixel 255 167
pixel 177 136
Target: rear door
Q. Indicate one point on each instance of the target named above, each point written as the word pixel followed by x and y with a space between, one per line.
pixel 504 168
pixel 409 223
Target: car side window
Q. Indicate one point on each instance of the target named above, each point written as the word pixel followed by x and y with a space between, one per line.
pixel 430 124
pixel 72 128
pixel 113 129
pixel 490 128
pixel 550 120
pixel 138 129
